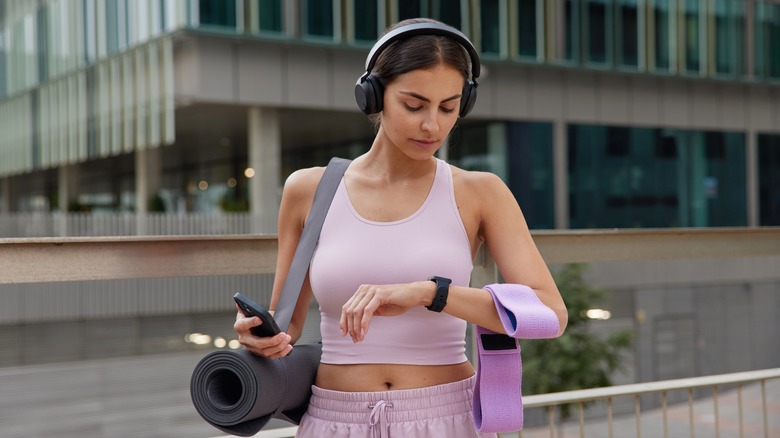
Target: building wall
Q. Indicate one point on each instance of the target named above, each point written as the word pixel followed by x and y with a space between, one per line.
pixel 242 72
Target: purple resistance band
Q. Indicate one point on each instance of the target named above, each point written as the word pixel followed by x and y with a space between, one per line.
pixel 498 401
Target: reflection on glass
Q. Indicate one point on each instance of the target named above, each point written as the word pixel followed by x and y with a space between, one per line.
pixel 217 13
pixel 490 27
pixel 366 20
pixel 572 26
pixel 767 39
pixel 692 36
pixel 729 26
pixel 527 28
pixel 520 153
pixel 319 18
pixel 769 179
pixel 448 11
pixel 270 15
pixel 598 30
pixel 410 9
pixel 661 33
pixel 643 177
pixel 628 33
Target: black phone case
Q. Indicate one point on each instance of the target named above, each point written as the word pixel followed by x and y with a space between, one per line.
pixel 249 308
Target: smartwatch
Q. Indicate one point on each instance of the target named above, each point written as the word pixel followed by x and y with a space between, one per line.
pixel 442 290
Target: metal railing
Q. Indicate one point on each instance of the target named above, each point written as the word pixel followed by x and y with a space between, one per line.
pixel 581 397
pixel 584 396
pixel 35 260
pixel 48 224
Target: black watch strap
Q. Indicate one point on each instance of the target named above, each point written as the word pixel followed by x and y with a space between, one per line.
pixel 442 291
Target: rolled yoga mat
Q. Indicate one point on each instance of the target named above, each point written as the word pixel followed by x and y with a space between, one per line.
pixel 238 392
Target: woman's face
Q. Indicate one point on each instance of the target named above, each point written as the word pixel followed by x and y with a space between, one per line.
pixel 420 109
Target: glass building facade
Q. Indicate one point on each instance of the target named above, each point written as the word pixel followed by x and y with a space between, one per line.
pixel 641 177
pixel 84 80
pixel 40 41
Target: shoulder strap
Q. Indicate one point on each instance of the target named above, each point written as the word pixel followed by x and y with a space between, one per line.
pixel 291 290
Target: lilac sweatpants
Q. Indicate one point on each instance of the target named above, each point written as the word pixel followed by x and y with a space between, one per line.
pixel 436 411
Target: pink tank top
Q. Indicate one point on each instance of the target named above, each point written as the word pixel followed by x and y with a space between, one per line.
pixel 353 251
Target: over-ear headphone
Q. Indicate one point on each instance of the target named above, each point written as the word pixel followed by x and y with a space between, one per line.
pixel 368 89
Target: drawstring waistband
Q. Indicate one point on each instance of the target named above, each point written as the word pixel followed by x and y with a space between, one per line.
pixel 407 405
pixel 379 416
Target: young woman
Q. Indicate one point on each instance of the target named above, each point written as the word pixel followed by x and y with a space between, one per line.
pixel 401 224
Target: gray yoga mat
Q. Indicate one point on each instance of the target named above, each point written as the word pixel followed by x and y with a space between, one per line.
pixel 238 392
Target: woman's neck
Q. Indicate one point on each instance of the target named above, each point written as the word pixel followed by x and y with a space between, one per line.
pixel 387 161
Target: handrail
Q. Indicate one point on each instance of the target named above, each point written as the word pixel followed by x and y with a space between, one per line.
pixel 580 395
pixel 34 260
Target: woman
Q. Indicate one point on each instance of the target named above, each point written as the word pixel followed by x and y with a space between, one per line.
pixel 402 226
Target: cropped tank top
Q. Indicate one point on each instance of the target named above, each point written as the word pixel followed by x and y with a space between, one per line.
pixel 353 251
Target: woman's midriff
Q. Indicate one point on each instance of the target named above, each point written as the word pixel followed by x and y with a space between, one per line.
pixel 386 377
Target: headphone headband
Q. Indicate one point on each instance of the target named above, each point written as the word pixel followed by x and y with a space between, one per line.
pixel 413 29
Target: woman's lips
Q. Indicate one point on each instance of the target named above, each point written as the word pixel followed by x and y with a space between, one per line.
pixel 425 144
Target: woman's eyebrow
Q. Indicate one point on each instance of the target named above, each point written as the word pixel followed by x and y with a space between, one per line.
pixel 425 99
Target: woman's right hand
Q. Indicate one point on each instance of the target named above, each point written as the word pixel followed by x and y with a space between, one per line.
pixel 272 347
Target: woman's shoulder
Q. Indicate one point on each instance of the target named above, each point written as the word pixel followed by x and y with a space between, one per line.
pixel 303 182
pixel 476 183
pixel 298 193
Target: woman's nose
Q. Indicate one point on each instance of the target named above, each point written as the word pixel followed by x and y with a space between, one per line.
pixel 431 121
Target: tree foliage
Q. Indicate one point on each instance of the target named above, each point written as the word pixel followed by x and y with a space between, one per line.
pixel 578 359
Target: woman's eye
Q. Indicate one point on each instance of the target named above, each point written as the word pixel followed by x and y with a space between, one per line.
pixel 413 108
pixel 447 110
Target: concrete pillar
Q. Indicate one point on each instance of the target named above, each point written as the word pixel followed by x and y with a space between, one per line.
pixel 148 172
pixel 265 161
pixel 67 188
pixel 751 174
pixel 561 174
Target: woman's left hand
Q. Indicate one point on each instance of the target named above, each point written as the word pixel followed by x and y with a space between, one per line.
pixel 381 300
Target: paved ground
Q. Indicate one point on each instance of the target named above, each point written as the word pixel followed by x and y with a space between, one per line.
pixel 149 397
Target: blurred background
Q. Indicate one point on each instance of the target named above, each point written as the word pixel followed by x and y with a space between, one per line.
pixel 184 117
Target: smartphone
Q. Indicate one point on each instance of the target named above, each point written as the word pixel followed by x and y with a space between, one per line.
pixel 249 308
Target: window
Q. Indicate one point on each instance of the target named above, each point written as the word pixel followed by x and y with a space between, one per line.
pixel 520 153
pixel 530 163
pixel 767 39
pixel 628 33
pixel 446 11
pixel 769 179
pixel 490 27
pixel 42 37
pixel 219 13
pixel 269 14
pixel 449 12
pixel 366 21
pixel 318 18
pixel 112 27
pixel 598 31
pixel 662 34
pixel 716 180
pixel 692 36
pixel 728 44
pixel 642 177
pixel 3 67
pixel 527 28
pixel 410 9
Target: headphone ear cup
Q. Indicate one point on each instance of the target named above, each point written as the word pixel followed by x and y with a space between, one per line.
pixel 468 99
pixel 368 95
